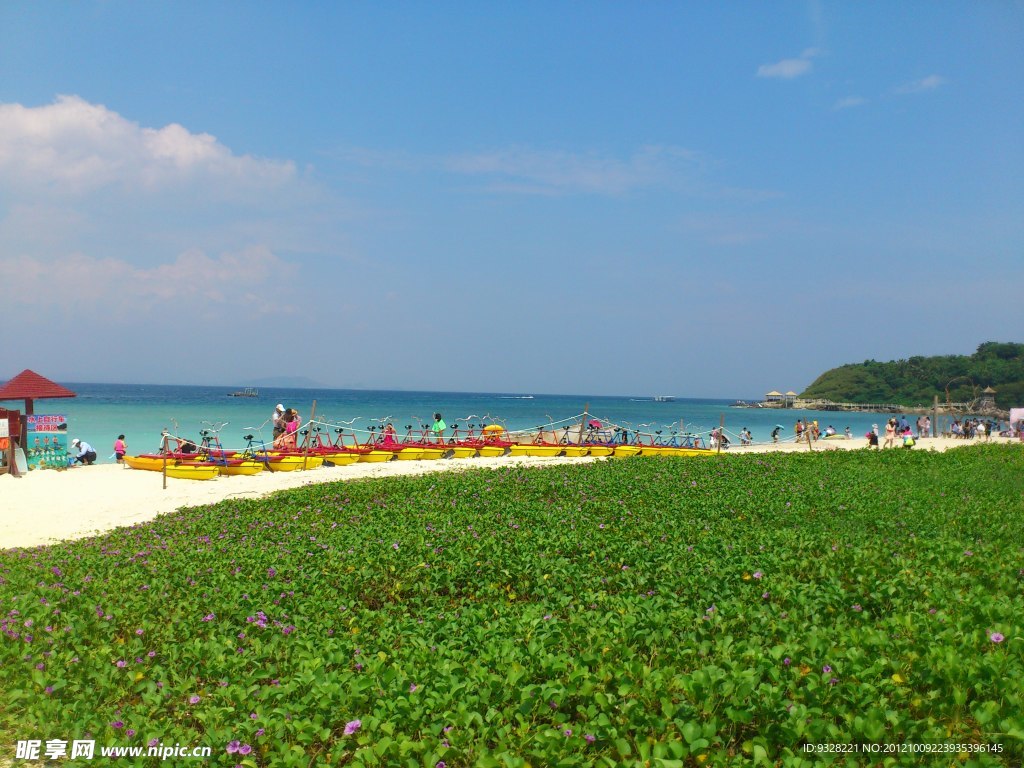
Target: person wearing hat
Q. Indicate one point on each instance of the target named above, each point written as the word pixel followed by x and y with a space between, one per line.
pixel 86 454
pixel 278 422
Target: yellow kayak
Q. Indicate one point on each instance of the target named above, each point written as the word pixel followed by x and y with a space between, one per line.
pixel 601 450
pixel 491 451
pixel 147 462
pixel 545 451
pixel 244 468
pixel 409 454
pixel 376 457
pixel 340 459
pixel 622 451
pixel 462 452
pixel 577 450
pixel 291 463
pixel 430 454
pixel 193 471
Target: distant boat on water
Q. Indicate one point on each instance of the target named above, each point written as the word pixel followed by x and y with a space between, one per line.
pixel 247 392
pixel 664 398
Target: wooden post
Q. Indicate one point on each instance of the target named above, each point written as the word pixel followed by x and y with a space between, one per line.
pixel 305 442
pixel 583 423
pixel 163 452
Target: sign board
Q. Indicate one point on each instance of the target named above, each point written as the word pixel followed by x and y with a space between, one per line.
pixel 47 441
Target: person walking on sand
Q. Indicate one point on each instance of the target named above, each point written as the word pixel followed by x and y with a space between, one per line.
pixel 890 434
pixel 120 449
pixel 438 428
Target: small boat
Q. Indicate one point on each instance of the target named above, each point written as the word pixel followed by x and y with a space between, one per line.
pixel 247 392
pixel 376 457
pixel 622 451
pixel 409 454
pixel 340 459
pixel 665 399
pixel 193 471
pixel 539 450
pixel 291 463
pixel 239 467
pixel 462 451
pixel 576 450
pixel 601 450
pixel 147 462
pixel 492 451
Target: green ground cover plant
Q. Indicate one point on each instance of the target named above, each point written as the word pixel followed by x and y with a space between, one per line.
pixel 657 611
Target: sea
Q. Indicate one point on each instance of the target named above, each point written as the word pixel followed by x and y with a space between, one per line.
pixel 101 412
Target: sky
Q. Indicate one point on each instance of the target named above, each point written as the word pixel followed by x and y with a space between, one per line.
pixel 686 198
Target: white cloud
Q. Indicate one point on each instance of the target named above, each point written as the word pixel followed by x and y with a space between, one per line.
pixel 929 83
pixel 72 147
pixel 849 102
pixel 787 69
pixel 194 284
pixel 524 170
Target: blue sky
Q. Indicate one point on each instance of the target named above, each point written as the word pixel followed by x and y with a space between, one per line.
pixel 699 199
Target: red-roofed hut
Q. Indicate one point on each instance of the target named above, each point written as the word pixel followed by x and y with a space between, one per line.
pixel 28 386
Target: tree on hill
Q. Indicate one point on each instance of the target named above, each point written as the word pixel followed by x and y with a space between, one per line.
pixel 917 380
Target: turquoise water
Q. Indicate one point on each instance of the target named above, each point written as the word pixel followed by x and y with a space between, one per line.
pixel 101 412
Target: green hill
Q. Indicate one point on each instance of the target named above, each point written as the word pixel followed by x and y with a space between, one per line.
pixel 916 381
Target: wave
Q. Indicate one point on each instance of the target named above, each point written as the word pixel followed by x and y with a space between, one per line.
pixel 515 397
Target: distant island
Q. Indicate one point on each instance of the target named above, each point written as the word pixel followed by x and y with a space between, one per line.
pixel 994 372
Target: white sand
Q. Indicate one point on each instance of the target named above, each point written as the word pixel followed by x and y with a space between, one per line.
pixel 46 506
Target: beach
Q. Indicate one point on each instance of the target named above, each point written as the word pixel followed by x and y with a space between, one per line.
pixel 46 506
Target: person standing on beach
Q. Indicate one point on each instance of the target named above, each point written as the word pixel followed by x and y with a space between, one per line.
pixel 438 428
pixel 120 449
pixel 277 424
pixel 890 434
pixel 291 429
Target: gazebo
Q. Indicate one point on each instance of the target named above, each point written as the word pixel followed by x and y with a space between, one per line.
pixel 30 386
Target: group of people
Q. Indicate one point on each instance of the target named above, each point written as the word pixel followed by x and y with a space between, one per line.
pixel 285 423
pixel 895 430
pixel 972 428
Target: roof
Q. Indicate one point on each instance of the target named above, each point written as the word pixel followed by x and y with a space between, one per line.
pixel 988 391
pixel 773 393
pixel 29 385
pixel 791 392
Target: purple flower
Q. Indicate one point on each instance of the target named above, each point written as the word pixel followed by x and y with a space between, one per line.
pixel 857 608
pixel 271 573
pixel 412 687
pixel 787 661
pixel 253 716
pixel 117 724
pixel 261 731
pixel 441 764
pixel 138 631
pixel 826 669
pixel 130 732
pixel 758 575
pixel 996 637
pixel 233 747
pixel 567 731
pixel 193 699
pixel 49 690
pixel 209 617
pixel 152 742
pixel 121 663
pixel 245 749
pixel 352 726
pixel 589 738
